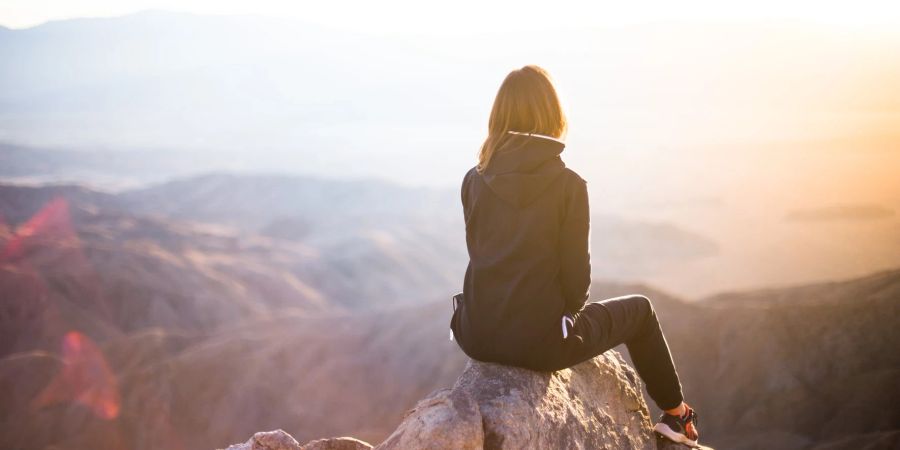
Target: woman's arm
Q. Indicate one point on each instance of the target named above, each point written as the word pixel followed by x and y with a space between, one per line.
pixel 574 247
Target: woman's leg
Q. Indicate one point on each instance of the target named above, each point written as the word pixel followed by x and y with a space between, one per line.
pixel 632 320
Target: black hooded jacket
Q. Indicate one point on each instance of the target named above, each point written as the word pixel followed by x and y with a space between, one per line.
pixel 527 232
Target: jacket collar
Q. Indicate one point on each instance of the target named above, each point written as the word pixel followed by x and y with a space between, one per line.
pixel 524 152
pixel 538 135
pixel 523 167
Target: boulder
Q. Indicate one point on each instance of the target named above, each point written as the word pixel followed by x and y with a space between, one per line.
pixel 596 404
pixel 279 440
pixel 268 440
pixel 339 443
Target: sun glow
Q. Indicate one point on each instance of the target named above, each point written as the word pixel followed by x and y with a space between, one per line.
pixel 471 15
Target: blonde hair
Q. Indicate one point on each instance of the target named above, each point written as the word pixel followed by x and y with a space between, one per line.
pixel 526 103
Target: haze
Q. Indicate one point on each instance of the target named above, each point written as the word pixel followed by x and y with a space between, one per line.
pixel 722 127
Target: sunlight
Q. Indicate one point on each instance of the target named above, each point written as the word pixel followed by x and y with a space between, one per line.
pixel 471 15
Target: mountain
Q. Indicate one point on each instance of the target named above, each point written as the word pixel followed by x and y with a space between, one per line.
pixel 325 374
pixel 137 330
pixel 253 202
pixel 97 167
pixel 416 230
pixel 355 374
pixel 351 241
pixel 79 261
pixel 815 362
pixel 353 254
pixel 806 367
pixel 373 239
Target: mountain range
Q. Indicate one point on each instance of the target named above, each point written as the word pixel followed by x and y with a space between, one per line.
pixel 144 327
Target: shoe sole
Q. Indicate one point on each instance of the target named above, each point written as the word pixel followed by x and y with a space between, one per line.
pixel 671 435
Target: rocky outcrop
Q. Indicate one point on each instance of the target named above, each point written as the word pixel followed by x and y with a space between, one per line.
pixel 279 440
pixel 594 405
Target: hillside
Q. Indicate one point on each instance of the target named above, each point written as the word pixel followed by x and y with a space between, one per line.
pixel 413 233
pixel 802 367
pixel 138 331
pixel 74 263
pixel 358 243
pixel 817 363
pixel 355 374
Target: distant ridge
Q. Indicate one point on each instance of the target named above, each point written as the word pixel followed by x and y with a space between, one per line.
pixel 314 335
pixel 816 292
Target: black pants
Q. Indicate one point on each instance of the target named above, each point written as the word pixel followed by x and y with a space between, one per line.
pixel 629 320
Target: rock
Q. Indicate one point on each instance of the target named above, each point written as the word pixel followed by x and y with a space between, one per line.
pixel 446 419
pixel 268 440
pixel 340 443
pixel 596 404
pixel 665 444
pixel 279 440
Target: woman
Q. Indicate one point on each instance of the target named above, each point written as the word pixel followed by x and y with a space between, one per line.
pixel 525 296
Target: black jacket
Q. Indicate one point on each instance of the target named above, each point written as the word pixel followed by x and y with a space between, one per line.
pixel 527 232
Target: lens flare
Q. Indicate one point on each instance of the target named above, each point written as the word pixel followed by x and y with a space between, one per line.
pixel 51 222
pixel 85 379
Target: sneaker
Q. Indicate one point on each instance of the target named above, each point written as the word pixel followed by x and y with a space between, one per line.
pixel 679 429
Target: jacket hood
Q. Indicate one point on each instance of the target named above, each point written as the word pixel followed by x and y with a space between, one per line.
pixel 523 167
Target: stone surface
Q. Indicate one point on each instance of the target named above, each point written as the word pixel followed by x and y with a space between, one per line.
pixel 665 444
pixel 339 443
pixel 268 440
pixel 280 440
pixel 596 404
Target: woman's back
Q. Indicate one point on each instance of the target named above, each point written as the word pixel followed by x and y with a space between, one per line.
pixel 524 299
pixel 527 225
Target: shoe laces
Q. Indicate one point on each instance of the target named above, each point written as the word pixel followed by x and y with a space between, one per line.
pixel 691 421
pixel 691 417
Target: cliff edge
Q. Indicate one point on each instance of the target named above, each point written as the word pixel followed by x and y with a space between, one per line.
pixel 594 405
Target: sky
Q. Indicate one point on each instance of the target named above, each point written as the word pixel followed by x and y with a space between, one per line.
pixel 391 16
